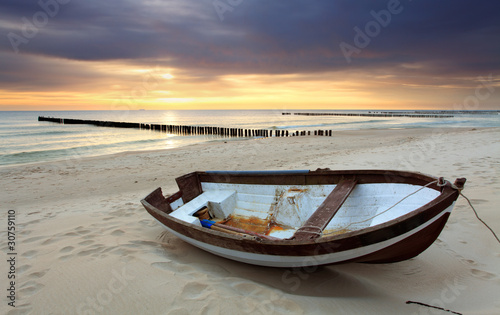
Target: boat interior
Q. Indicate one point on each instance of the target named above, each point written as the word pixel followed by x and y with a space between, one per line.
pixel 284 211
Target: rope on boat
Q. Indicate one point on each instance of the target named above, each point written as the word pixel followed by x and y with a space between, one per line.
pixel 373 217
pixel 459 189
pixel 439 182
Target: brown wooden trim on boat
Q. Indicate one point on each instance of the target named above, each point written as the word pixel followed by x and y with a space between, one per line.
pixel 321 178
pixel 190 186
pixel 174 197
pixel 410 247
pixel 157 199
pixel 318 221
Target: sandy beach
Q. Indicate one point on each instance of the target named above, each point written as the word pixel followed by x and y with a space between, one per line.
pixel 85 245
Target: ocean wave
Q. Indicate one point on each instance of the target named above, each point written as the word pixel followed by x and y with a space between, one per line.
pixel 75 151
pixel 41 133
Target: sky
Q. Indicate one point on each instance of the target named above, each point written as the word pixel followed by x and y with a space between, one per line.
pixel 249 54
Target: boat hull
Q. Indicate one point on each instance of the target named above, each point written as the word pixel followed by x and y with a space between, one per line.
pixel 393 241
pixel 406 246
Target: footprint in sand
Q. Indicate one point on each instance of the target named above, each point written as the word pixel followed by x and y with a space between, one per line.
pixel 439 242
pixel 84 243
pixel 195 291
pixel 140 244
pixel 71 234
pixel 179 311
pixel 264 301
pixel 93 250
pixel 23 268
pixel 185 271
pixel 125 254
pixel 249 289
pixel 469 262
pixel 86 252
pixel 148 222
pixel 213 307
pixel 21 309
pixel 51 240
pixel 66 249
pixel 483 274
pixel 80 230
pixel 163 265
pixel 30 253
pixel 38 274
pixel 31 222
pixel 212 269
pixel 30 287
pixel 117 232
pixel 413 270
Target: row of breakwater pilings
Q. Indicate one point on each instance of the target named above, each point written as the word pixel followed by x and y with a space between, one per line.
pixel 192 130
pixel 381 114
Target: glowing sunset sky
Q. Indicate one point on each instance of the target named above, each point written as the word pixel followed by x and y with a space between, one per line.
pixel 246 54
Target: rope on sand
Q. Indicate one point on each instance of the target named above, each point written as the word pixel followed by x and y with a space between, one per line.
pixel 477 216
pixel 432 306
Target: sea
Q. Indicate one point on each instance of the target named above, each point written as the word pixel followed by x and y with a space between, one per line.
pixel 24 140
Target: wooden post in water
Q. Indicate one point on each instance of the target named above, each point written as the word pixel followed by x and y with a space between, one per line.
pixel 191 130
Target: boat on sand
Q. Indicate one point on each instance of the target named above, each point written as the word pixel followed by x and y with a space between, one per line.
pixel 304 218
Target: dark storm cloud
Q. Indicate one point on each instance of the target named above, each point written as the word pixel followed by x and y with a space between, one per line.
pixel 257 36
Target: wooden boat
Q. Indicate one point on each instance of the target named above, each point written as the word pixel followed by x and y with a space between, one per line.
pixel 304 218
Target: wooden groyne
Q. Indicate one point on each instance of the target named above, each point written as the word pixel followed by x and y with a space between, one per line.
pixel 190 130
pixel 381 114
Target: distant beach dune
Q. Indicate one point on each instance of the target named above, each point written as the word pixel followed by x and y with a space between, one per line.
pixel 85 245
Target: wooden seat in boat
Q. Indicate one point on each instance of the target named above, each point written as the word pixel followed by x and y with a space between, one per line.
pixel 318 221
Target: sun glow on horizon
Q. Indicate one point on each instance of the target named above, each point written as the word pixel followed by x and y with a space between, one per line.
pixel 123 85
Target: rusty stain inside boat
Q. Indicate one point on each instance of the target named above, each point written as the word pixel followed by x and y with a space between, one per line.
pixel 253 224
pixel 274 227
pixel 297 190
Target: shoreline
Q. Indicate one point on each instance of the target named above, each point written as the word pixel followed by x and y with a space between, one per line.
pixel 242 139
pixel 81 227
